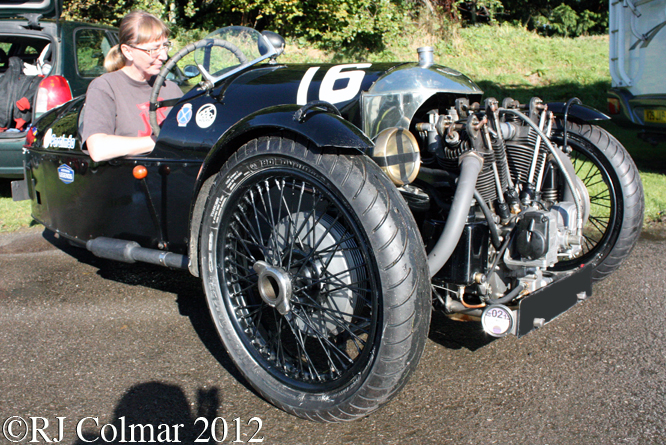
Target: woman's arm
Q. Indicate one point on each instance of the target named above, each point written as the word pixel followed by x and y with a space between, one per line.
pixel 103 147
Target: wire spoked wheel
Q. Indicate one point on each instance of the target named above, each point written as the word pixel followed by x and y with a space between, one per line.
pixel 298 280
pixel 316 278
pixel 615 195
pixel 603 199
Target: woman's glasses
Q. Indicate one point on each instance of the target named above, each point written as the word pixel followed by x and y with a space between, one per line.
pixel 154 52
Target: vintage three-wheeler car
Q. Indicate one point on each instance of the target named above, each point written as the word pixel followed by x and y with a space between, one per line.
pixel 328 209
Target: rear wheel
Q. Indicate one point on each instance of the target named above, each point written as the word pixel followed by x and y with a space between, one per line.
pixel 316 278
pixel 616 199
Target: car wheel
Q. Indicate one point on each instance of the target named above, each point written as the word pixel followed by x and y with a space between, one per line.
pixel 316 278
pixel 616 198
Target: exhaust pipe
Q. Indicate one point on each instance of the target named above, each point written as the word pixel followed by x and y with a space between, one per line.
pixel 131 252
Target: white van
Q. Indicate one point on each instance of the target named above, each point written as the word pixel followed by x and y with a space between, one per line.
pixel 638 65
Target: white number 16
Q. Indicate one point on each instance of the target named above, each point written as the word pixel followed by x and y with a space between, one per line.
pixel 335 73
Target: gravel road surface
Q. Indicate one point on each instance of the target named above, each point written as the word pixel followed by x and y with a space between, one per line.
pixel 104 345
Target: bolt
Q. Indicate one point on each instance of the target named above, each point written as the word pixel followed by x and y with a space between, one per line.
pixel 581 296
pixel 539 322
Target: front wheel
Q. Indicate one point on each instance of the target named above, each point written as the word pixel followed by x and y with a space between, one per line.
pixel 315 277
pixel 616 198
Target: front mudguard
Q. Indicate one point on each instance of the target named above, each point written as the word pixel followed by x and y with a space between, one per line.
pixel 324 129
pixel 321 127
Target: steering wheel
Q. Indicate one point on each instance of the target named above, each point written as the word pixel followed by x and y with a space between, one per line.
pixel 171 63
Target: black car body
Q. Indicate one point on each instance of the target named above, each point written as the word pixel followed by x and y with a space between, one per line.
pixel 188 153
pixel 329 208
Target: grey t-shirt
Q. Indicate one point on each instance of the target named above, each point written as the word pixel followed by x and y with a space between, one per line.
pixel 117 105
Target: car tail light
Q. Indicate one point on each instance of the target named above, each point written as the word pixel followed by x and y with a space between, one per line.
pixel 613 105
pixel 53 91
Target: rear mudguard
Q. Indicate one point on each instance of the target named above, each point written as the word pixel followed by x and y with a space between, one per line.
pixel 322 128
pixel 578 111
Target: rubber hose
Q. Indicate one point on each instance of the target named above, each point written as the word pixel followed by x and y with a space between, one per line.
pixel 470 167
pixel 508 297
pixel 494 234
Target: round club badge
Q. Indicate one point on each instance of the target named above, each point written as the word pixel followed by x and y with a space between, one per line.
pixel 206 116
pixel 184 115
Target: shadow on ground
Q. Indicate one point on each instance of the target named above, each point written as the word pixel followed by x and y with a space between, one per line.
pixel 156 412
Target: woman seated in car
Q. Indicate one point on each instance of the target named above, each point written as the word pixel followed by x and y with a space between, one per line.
pixel 115 120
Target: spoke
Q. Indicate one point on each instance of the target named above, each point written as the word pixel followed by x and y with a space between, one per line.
pixel 602 199
pixel 312 230
pixel 324 338
pixel 256 236
pixel 321 343
pixel 236 274
pixel 243 243
pixel 334 311
pixel 349 287
pixel 330 258
pixel 596 222
pixel 603 221
pixel 596 225
pixel 335 275
pixel 301 343
pixel 280 349
pixel 316 246
pixel 270 219
pixel 328 250
pixel 293 226
pixel 249 314
pixel 281 200
pixel 238 253
pixel 596 204
pixel 344 324
pixel 590 242
pixel 341 286
pixel 256 217
pixel 601 181
pixel 605 194
pixel 274 228
pixel 243 290
pixel 591 174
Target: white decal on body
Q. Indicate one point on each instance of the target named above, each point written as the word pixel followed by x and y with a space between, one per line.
pixel 206 116
pixel 327 91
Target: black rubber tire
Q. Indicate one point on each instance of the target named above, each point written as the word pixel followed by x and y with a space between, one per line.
pixel 617 235
pixel 393 265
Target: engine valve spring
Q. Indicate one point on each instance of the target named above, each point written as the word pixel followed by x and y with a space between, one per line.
pixel 550 195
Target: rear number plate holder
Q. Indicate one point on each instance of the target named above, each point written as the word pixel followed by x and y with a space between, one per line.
pixel 553 300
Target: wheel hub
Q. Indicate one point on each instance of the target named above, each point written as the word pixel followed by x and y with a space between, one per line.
pixel 274 286
pixel 308 276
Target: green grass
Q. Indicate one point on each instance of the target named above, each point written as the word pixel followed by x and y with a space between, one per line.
pixel 13 215
pixel 655 203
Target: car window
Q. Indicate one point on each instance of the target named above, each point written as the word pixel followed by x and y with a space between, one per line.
pixel 92 45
